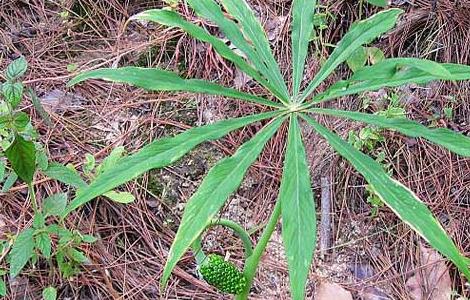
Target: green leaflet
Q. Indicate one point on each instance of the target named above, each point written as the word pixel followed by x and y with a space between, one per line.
pixel 302 26
pixel 360 33
pixel 388 77
pixel 161 80
pixel 399 198
pixel 210 10
pixel 394 67
pixel 221 181
pixel 158 154
pixel 455 142
pixel 64 174
pixel 298 211
pixel 170 18
pixel 22 251
pixel 253 30
pixel 16 69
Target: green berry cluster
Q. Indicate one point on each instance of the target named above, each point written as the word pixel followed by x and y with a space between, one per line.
pixel 223 275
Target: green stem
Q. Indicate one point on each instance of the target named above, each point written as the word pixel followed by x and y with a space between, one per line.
pixel 239 231
pixel 253 261
pixel 32 195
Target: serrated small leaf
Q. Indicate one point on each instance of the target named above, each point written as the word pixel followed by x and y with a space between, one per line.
pixel 20 121
pixel 16 68
pixel 120 197
pixel 77 256
pixel 21 251
pixel 44 244
pixel 39 221
pixel 41 159
pixel 13 93
pixel 54 205
pixel 64 174
pixel 89 239
pixel 9 182
pixel 49 293
pixel 22 157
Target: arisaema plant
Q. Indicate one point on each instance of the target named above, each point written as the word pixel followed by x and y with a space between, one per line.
pixel 295 203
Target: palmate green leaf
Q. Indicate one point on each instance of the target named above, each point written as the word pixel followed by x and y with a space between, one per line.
pixel 160 80
pixel 210 10
pixel 360 33
pixel 221 181
pixel 298 211
pixel 455 142
pixel 389 78
pixel 253 30
pixel 22 157
pixel 302 26
pixel 159 154
pixel 172 19
pixel 21 251
pixel 399 198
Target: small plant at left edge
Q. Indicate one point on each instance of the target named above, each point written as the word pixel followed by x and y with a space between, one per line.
pixel 21 156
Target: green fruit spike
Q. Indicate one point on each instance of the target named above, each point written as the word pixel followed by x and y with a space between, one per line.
pixel 223 275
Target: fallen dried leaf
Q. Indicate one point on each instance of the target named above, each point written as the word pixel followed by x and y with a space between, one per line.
pixel 433 281
pixel 328 291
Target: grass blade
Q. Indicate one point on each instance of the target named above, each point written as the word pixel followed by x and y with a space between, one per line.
pixel 172 19
pixel 161 80
pixel 389 78
pixel 298 211
pixel 302 26
pixel 211 10
pixel 399 198
pixel 360 33
pixel 221 181
pixel 455 142
pixel 158 154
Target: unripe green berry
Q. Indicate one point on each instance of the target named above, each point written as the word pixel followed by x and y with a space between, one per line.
pixel 223 275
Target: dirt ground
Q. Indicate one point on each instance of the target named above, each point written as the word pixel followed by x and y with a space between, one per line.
pixel 373 257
